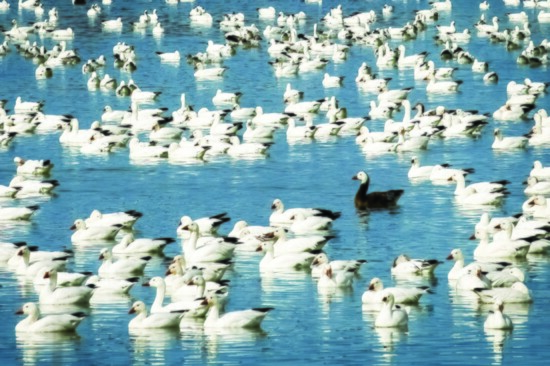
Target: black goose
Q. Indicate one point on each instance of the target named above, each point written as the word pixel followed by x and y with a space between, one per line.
pixel 364 200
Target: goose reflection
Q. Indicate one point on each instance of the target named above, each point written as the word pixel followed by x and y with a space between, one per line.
pixel 149 345
pixel 37 347
pixel 390 337
pixel 498 338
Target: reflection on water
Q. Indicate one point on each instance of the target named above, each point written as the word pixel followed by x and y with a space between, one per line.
pixel 498 338
pixel 56 347
pixel 149 346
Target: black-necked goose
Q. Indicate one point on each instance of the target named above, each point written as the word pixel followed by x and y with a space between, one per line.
pixel 365 200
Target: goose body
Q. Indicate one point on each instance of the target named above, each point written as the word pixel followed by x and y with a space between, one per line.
pixel 212 251
pixel 337 265
pixel 283 262
pixel 83 232
pixel 390 317
pixel 144 320
pixel 402 295
pixel 249 318
pixel 365 200
pixel 55 323
pixel 33 167
pixel 120 268
pixel 193 308
pixel 281 216
pixel 131 245
pixel 51 294
pixel 459 268
pixel 518 293
pixel 17 213
pixel 124 218
pixel 331 279
pixel 497 319
pixel 404 265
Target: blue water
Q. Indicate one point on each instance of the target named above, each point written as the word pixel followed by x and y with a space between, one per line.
pixel 305 327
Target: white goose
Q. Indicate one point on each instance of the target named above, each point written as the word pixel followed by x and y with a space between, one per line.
pixel 208 225
pixel 403 264
pixel 337 265
pixel 299 132
pixel 284 245
pixel 404 61
pixel 402 295
pixel 193 308
pixel 480 187
pixel 192 285
pixel 142 149
pixel 539 171
pixel 212 251
pixel 518 293
pixel 497 319
pixel 310 224
pixel 509 142
pixel 281 216
pixel 29 187
pixel 390 317
pixel 35 323
pixel 83 232
pixel 17 213
pixel 106 287
pixel 536 186
pixel 22 265
pixel 507 277
pixel 249 318
pixel 33 167
pixel 459 268
pixel 247 149
pixel 473 279
pixel 496 250
pixel 126 219
pixel 51 294
pixel 331 279
pixel 143 320
pixel 131 245
pixel 283 262
pixel 122 267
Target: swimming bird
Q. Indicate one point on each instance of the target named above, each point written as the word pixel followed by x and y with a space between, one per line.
pixel 27 187
pixel 144 320
pixel 83 232
pixel 122 267
pixel 390 317
pixel 402 295
pixel 52 294
pixel 509 142
pixel 383 199
pixel 284 262
pixel 331 279
pixel 33 167
pixel 281 216
pixel 249 318
pixel 53 323
pixel 497 319
pixel 518 293
pixel 131 245
pixel 539 171
pixel 403 264
pixel 193 309
pixel 17 213
pixel 125 218
pixel 337 265
pixel 459 268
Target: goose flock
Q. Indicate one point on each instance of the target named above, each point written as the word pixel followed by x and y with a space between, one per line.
pixel 214 199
